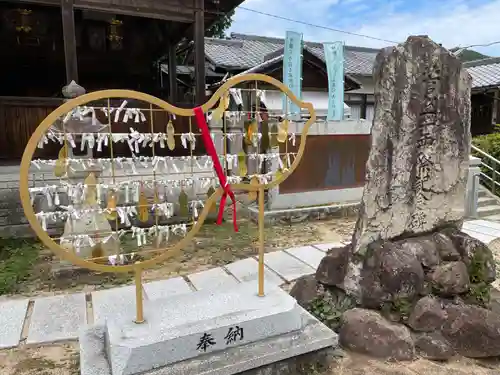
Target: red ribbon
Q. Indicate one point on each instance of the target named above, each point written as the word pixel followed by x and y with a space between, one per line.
pixel 209 145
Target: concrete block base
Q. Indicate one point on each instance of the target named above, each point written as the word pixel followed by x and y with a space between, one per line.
pixel 198 323
pixel 292 353
pixel 305 213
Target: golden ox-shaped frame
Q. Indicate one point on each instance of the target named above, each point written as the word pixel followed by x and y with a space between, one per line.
pixel 138 267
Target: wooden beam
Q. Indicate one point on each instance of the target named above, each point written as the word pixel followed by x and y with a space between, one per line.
pixel 172 73
pixel 37 2
pixel 364 98
pixel 199 52
pixel 69 37
pixel 28 101
pixel 169 10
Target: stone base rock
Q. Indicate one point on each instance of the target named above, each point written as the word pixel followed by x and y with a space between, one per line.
pixel 367 332
pixel 433 346
pixel 473 331
pixel 427 294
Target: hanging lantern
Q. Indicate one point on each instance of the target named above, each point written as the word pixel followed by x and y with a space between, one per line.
pixel 24 21
pixel 115 34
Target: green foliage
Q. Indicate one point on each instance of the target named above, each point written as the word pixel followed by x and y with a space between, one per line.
pixel 400 306
pixel 218 29
pixel 469 55
pixel 489 143
pixel 479 291
pixel 478 267
pixel 17 258
pixel 479 294
pixel 322 310
pixel 329 309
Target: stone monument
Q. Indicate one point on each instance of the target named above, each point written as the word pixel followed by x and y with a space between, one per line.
pixel 416 282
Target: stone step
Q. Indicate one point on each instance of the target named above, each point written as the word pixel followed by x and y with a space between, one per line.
pixel 486 201
pixel 488 210
pixel 492 218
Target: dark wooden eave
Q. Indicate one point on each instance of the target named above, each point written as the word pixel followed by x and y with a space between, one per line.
pixel 170 10
pixel 177 11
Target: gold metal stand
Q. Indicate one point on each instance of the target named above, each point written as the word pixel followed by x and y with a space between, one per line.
pixel 138 268
pixel 261 241
pixel 139 301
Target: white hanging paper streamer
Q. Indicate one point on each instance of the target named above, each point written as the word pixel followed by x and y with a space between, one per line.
pixel 163 232
pixel 71 140
pixel 179 229
pixel 184 139
pixel 87 139
pixel 140 235
pixel 261 94
pixel 236 94
pixel 43 141
pixel 118 111
pixel 194 207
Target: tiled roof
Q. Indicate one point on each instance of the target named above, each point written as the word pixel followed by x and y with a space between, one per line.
pixel 351 82
pixel 189 70
pixel 245 51
pixel 484 72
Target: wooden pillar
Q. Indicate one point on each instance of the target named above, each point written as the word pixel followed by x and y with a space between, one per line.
pixel 172 73
pixel 199 52
pixel 364 98
pixel 494 110
pixel 69 37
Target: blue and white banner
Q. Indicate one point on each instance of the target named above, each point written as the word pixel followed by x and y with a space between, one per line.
pixel 334 57
pixel 292 70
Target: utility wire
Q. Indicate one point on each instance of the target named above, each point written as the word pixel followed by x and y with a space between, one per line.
pixel 348 32
pixel 317 26
pixel 481 45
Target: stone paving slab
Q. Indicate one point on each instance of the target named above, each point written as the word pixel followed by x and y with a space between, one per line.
pixel 12 314
pixel 112 303
pixel 307 254
pixel 211 279
pixel 481 228
pixel 248 270
pixel 57 318
pixel 479 236
pixel 166 288
pixel 327 246
pixel 485 223
pixel 287 266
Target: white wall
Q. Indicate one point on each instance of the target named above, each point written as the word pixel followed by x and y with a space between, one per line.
pixel 368 85
pixel 319 99
pixel 274 99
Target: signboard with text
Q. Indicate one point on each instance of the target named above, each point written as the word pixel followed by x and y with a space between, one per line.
pixel 292 71
pixel 334 58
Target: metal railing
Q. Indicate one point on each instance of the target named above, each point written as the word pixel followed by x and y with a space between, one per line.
pixel 490 175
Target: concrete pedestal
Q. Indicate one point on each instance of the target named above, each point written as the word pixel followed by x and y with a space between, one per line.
pixel 194 324
pixel 277 354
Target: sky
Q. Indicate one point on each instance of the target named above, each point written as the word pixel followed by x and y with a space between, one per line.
pixel 449 22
